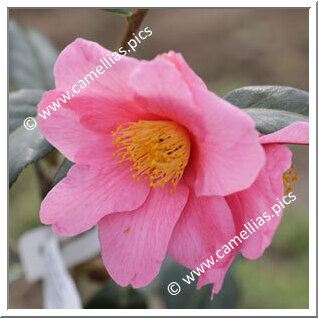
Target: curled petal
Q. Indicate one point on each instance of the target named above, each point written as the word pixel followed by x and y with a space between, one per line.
pixel 295 133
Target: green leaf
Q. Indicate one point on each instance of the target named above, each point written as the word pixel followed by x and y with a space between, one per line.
pixel 268 121
pixel 63 170
pixel 125 12
pixel 25 147
pixel 270 97
pixel 31 62
pixel 112 296
pixel 47 55
pixel 271 107
pixel 22 104
pixel 31 59
pixel 189 297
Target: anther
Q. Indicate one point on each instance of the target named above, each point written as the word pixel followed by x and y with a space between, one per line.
pixel 159 150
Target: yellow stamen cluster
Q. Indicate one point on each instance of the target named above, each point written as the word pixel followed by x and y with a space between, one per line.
pixel 288 177
pixel 158 150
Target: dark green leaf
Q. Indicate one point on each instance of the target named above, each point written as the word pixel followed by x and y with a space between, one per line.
pixel 271 107
pixel 22 104
pixel 25 147
pixel 112 296
pixel 46 54
pixel 125 12
pixel 31 59
pixel 189 297
pixel 62 172
pixel 270 97
pixel 268 121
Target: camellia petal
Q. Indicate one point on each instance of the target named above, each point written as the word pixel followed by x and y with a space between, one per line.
pixel 63 129
pixel 81 128
pixel 249 205
pixel 216 276
pixel 192 79
pixel 223 160
pixel 80 200
pixel 230 157
pixel 205 226
pixel 295 133
pixel 134 244
pixel 80 58
pixel 161 90
pixel 161 164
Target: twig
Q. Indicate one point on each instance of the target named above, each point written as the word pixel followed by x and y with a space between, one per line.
pixel 134 22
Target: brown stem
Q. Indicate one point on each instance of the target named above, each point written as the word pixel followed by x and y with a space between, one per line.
pixel 134 22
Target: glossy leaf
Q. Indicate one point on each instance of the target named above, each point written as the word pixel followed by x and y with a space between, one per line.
pixel 31 59
pixel 270 97
pixel 46 54
pixel 25 147
pixel 112 296
pixel 63 170
pixel 189 297
pixel 268 121
pixel 22 104
pixel 271 107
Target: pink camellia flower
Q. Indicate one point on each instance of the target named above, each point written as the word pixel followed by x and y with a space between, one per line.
pixel 157 158
pixel 195 238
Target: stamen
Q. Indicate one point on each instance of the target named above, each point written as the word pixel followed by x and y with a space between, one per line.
pixel 289 177
pixel 158 150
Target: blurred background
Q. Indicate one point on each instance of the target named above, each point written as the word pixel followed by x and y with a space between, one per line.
pixel 227 48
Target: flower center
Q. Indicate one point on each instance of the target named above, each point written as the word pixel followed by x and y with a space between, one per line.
pixel 288 177
pixel 158 150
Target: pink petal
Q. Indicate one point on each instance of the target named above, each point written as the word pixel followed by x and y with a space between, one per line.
pixel 259 198
pixel 161 90
pixel 111 100
pixel 80 200
pixel 81 57
pixel 216 277
pixel 68 131
pixel 107 115
pixel 295 133
pixel 192 79
pixel 205 225
pixel 134 244
pixel 226 155
pixel 63 129
pixel 230 157
pixel 107 100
